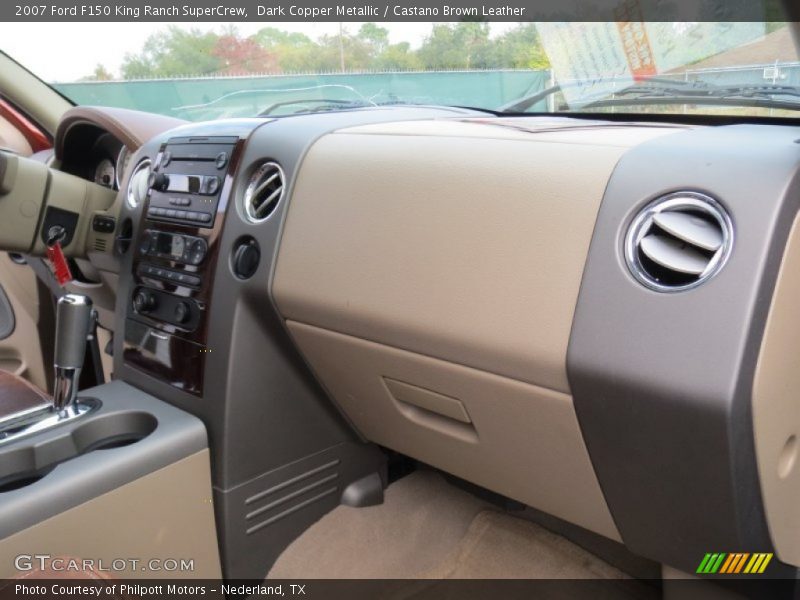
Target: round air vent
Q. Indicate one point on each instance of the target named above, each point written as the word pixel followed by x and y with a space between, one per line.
pixel 264 192
pixel 138 183
pixel 678 241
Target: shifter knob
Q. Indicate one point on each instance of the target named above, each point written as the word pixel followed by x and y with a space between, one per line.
pixel 73 320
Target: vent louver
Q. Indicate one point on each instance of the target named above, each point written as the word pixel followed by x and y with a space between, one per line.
pixel 678 242
pixel 264 192
pixel 138 184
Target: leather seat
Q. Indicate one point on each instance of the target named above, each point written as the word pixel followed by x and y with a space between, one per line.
pixel 17 394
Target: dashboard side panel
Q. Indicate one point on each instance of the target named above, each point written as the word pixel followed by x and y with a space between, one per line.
pixel 469 249
pixel 662 381
pixel 776 410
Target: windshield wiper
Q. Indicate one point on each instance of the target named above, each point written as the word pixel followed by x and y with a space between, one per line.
pixel 669 91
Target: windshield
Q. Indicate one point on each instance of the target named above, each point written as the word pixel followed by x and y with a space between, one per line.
pixel 211 71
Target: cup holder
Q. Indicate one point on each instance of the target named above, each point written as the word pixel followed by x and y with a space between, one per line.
pixel 21 480
pixel 113 431
pixel 25 465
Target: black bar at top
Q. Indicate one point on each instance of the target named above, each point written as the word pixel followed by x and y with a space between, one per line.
pixel 392 10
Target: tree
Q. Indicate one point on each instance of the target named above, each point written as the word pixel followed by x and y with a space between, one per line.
pixel 520 48
pixel 174 52
pixel 464 45
pixel 294 51
pixel 397 57
pixel 241 56
pixel 100 73
pixel 374 37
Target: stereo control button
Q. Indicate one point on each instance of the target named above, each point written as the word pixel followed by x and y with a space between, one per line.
pixel 182 312
pixel 146 242
pixel 196 251
pixel 212 185
pixel 160 182
pixel 221 160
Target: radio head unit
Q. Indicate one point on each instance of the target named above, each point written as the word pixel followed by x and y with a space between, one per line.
pixel 186 180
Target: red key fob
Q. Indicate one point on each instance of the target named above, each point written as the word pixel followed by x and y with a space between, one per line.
pixel 59 263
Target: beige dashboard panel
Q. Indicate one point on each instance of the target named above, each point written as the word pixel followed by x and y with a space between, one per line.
pixel 776 408
pixel 465 246
pixel 167 514
pixel 517 439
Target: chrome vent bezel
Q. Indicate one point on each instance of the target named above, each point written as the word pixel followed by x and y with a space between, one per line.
pixel 132 203
pixel 681 202
pixel 261 177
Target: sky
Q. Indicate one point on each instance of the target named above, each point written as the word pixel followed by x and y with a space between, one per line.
pixel 108 43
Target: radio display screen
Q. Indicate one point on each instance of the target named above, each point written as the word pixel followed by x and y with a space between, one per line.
pixel 173 245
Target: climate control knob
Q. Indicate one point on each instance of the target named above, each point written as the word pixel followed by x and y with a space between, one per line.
pixel 144 302
pixel 182 312
pixel 159 182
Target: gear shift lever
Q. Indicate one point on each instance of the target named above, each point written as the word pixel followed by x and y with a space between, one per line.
pixel 73 320
pixel 74 317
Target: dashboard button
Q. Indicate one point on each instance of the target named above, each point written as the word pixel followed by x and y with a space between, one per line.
pixel 146 242
pixel 212 185
pixel 196 251
pixel 205 218
pixel 144 302
pixel 172 213
pixel 182 312
pixel 103 224
pixel 221 160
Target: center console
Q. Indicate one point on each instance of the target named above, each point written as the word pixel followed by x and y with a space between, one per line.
pixel 205 337
pixel 166 327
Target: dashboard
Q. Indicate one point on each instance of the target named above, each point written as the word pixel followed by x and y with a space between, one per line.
pixel 567 312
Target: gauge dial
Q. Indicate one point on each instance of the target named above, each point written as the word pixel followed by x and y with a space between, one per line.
pixel 104 173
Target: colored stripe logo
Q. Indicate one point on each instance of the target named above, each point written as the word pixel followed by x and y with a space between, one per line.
pixel 734 563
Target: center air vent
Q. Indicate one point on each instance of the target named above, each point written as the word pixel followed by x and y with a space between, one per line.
pixel 678 242
pixel 138 184
pixel 264 192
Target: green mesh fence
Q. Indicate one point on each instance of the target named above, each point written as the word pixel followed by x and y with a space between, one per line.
pixel 212 98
